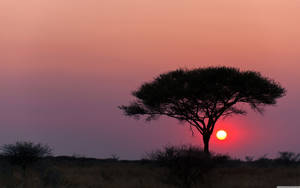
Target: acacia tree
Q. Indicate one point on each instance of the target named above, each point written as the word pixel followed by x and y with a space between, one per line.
pixel 202 96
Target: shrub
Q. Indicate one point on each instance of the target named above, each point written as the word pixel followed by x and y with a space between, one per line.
pixel 186 164
pixel 249 159
pixel 24 153
pixel 263 161
pixel 287 158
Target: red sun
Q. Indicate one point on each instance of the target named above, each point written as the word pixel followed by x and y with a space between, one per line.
pixel 221 135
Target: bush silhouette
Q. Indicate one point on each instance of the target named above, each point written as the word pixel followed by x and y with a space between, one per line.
pixel 287 158
pixel 185 164
pixel 24 154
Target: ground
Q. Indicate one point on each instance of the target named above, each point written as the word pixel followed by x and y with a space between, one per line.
pixel 91 173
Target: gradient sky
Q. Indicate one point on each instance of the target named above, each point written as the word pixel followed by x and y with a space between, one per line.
pixel 65 66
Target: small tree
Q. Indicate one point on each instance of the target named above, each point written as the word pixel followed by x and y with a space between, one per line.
pixel 202 96
pixel 25 153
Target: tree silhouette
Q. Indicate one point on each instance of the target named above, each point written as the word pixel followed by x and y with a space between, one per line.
pixel 202 96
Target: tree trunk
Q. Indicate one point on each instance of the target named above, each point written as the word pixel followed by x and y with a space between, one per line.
pixel 206 143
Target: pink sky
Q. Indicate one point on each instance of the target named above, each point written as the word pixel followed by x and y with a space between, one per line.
pixel 67 65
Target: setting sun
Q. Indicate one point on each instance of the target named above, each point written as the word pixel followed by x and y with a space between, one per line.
pixel 221 135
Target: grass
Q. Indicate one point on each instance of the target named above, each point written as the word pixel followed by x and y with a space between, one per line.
pixel 91 173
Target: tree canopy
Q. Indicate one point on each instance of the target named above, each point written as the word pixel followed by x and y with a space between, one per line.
pixel 201 96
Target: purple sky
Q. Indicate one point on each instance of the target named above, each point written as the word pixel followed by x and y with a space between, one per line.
pixel 65 67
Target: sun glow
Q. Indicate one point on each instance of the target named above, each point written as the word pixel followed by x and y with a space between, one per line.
pixel 221 135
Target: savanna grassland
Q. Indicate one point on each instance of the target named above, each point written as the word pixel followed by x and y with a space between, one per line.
pixel 81 172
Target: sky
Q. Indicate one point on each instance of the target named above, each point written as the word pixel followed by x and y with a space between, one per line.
pixel 65 67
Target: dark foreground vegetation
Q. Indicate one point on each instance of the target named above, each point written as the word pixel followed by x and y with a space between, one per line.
pixel 184 166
